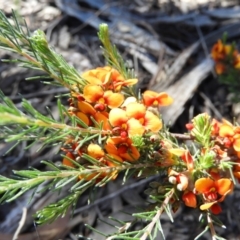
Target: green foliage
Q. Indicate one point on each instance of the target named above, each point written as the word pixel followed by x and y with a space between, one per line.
pixel 111 53
pixel 37 53
pixel 202 129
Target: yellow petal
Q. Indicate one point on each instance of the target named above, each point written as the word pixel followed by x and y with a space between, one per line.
pixel 113 100
pixel 91 78
pixel 152 122
pixel 226 131
pixel 95 151
pixel 135 110
pixel 130 82
pixel 135 128
pixel 117 117
pixel 164 99
pixel 92 93
pixel 206 206
pixel 177 151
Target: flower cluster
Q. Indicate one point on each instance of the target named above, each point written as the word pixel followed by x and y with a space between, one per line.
pixel 226 57
pixel 201 175
pixel 105 104
pixel 207 179
pixel 130 130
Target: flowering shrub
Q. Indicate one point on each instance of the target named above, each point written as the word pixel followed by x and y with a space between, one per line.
pixel 227 65
pixel 109 127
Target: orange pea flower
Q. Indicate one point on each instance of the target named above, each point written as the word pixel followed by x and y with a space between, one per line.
pixel 151 98
pixel 148 119
pixel 95 94
pixel 189 199
pixel 86 110
pixel 98 76
pixel 185 156
pixel 220 51
pixel 107 77
pixel 122 147
pixel 134 120
pixel 111 160
pixel 231 135
pixel 213 191
pixel 123 124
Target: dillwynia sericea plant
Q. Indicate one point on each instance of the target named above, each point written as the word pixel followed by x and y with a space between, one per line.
pixel 110 127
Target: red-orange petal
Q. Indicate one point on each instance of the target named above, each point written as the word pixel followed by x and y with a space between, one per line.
pixel 149 97
pixel 131 155
pixel 216 209
pixel 203 185
pixel 116 140
pixel 111 148
pixel 92 93
pixel 188 159
pixel 223 185
pixel 67 162
pixel 236 174
pixel 190 199
pixel 135 110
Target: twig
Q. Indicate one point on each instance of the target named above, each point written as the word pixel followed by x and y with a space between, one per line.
pixel 182 136
pixel 21 223
pixel 210 224
pixel 157 216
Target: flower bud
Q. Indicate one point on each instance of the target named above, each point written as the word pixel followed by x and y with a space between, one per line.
pixel 172 179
